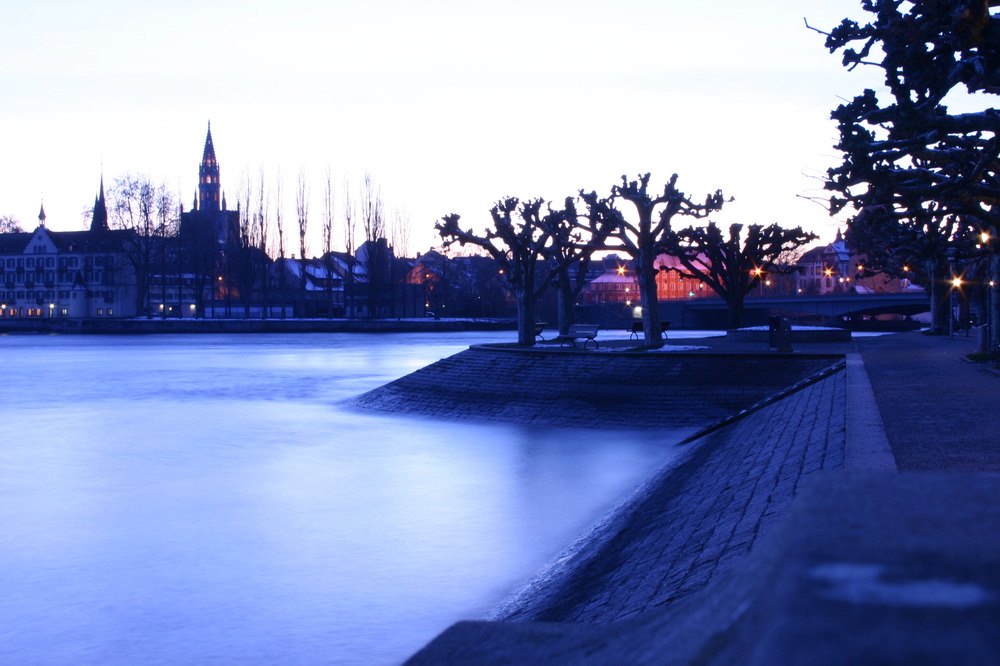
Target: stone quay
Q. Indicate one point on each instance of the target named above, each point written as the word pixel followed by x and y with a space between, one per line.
pixel 783 533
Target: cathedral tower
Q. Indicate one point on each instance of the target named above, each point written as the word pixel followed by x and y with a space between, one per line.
pixel 208 223
pixel 209 188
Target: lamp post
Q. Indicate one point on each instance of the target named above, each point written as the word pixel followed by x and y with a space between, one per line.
pixel 993 273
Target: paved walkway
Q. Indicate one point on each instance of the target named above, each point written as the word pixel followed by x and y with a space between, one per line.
pixel 939 411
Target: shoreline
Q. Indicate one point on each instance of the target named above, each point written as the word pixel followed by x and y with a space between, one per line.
pixel 164 326
pixel 772 539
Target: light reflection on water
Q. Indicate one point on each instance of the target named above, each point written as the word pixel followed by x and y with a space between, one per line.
pixel 168 499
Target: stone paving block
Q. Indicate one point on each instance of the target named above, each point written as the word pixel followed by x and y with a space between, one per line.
pixel 702 517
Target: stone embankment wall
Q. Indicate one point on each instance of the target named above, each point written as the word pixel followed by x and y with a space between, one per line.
pixel 694 520
pixel 690 523
pixel 593 389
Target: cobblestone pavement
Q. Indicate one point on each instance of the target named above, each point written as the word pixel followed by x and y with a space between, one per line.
pixel 938 410
pixel 696 520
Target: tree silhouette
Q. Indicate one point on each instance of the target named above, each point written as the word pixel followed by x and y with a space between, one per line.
pixel 10 225
pixel 732 266
pixel 934 172
pixel 518 242
pixel 643 238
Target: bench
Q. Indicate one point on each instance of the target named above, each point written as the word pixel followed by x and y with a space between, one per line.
pixel 539 327
pixel 638 328
pixel 585 332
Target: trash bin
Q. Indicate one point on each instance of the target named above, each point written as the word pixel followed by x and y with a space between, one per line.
pixel 984 338
pixel 779 334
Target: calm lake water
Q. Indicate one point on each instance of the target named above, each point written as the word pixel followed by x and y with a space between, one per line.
pixel 210 499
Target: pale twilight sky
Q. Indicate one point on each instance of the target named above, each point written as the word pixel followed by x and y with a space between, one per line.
pixel 449 104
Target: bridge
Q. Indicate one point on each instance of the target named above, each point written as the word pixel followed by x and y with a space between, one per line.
pixel 699 312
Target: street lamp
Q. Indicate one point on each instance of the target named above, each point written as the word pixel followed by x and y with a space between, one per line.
pixel 955 284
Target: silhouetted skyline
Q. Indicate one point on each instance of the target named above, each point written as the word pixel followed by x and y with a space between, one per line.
pixel 448 105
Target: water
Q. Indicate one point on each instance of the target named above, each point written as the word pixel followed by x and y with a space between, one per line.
pixel 209 499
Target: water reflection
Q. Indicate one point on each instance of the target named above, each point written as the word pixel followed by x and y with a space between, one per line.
pixel 199 498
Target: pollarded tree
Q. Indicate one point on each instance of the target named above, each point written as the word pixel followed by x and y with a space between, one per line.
pixel 519 247
pixel 643 238
pixel 569 255
pixel 732 266
pixel 931 170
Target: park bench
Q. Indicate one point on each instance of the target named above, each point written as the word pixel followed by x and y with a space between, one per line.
pixel 539 327
pixel 637 329
pixel 585 332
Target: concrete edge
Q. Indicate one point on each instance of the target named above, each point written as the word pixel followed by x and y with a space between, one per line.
pixel 867 446
pixel 587 545
pixel 818 376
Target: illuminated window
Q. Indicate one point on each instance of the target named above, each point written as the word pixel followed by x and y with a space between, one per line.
pixel 100 312
pixel 64 311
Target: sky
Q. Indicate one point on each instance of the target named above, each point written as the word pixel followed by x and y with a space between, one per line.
pixel 449 105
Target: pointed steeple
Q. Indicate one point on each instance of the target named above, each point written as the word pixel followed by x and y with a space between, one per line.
pixel 208 156
pixel 41 215
pixel 208 176
pixel 99 222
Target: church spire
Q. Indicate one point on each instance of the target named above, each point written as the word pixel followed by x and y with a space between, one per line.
pixel 99 222
pixel 41 215
pixel 209 154
pixel 208 176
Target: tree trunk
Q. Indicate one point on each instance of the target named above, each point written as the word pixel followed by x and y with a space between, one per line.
pixel 993 303
pixel 525 318
pixel 940 295
pixel 735 304
pixel 565 303
pixel 646 276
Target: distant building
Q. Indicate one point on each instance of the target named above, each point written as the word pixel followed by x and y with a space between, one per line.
pixel 209 219
pixel 79 274
pixel 210 238
pixel 463 286
pixel 618 283
pixel 835 269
